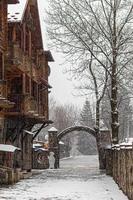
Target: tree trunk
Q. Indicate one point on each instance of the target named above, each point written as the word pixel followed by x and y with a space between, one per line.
pixel 114 111
pixel 98 138
pixel 114 90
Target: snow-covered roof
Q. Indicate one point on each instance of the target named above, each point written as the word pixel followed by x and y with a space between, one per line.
pixel 53 129
pixel 8 148
pixel 16 11
pixel 37 145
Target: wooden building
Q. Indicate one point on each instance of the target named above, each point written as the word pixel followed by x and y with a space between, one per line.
pixel 25 84
pixel 3 52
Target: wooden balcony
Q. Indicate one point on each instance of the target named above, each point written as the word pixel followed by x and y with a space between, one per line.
pixel 15 54
pixel 20 60
pixel 3 88
pixel 24 105
pixel 18 100
pixel 4 101
pixel 30 105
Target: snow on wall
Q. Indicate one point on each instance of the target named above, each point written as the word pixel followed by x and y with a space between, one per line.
pixel 8 148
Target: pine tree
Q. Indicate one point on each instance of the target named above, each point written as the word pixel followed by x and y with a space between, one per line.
pixel 86 117
pixel 87 143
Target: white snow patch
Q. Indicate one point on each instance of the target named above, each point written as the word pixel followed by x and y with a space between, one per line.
pixel 53 129
pixel 37 145
pixel 8 148
pixel 42 149
pixel 29 132
pixel 60 142
pixel 16 11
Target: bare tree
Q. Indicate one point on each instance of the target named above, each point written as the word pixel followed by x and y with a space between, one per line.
pixel 71 24
pixel 63 117
pixel 94 80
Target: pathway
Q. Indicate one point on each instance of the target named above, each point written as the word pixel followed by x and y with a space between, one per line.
pixel 78 179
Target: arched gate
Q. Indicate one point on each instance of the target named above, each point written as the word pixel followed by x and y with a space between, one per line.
pixel 102 139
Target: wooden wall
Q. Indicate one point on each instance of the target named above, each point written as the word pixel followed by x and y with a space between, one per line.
pixel 119 164
pixel 3 35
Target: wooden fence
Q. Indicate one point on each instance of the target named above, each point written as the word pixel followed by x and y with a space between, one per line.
pixel 119 164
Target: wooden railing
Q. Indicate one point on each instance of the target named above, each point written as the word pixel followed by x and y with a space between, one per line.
pixel 26 105
pixel 3 88
pixel 18 56
pixel 4 101
pixel 1 40
pixel 119 164
pixel 18 100
pixel 15 54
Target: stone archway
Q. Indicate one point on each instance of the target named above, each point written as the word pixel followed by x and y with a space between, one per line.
pixel 76 128
pixel 102 139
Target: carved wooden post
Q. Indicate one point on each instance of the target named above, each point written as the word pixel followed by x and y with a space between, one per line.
pixel 54 145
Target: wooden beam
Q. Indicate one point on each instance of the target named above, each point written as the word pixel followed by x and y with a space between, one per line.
pixel 12 1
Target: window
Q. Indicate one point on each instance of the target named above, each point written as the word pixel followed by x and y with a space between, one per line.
pixel 1 66
pixel 27 84
pixel 16 85
pixel 27 43
pixel 34 89
pixel 10 33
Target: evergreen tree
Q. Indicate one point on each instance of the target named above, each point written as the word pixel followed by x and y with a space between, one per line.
pixel 86 142
pixel 86 117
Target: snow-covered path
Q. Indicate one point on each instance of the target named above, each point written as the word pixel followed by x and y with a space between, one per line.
pixel 78 179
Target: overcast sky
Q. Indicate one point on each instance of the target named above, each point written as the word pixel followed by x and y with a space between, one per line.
pixel 63 89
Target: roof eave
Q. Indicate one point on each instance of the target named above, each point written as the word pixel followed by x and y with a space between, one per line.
pixel 12 1
pixel 49 56
pixel 12 22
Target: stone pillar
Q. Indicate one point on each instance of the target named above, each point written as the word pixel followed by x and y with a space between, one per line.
pixel 54 145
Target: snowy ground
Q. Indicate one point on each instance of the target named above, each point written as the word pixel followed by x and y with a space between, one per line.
pixel 78 179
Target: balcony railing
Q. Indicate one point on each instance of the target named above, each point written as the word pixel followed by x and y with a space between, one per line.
pixel 26 105
pixel 3 88
pixel 19 57
pixel 15 54
pixel 41 110
pixel 4 101
pixel 18 100
pixel 1 40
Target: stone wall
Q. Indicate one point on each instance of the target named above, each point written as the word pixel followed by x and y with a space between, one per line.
pixel 119 164
pixel 9 176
